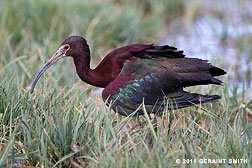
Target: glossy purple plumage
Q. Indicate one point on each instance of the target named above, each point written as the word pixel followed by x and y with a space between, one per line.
pixel 137 73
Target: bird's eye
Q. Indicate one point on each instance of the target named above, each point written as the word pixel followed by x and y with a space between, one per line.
pixel 66 47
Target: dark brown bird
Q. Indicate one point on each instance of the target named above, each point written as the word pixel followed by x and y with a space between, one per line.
pixel 137 72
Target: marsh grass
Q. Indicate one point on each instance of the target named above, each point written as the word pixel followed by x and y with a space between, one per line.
pixel 64 124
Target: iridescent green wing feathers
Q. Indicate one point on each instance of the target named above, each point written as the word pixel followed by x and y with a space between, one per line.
pixel 137 80
pixel 157 79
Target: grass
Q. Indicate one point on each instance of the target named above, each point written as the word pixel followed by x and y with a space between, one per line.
pixel 64 124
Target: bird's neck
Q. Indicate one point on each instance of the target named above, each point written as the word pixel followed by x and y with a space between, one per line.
pixel 92 77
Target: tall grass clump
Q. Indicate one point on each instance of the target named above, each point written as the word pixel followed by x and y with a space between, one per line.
pixel 65 124
pixel 61 129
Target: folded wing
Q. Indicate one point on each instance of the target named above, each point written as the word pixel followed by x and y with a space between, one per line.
pixel 157 74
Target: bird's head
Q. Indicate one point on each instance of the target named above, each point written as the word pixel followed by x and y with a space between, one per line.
pixel 71 46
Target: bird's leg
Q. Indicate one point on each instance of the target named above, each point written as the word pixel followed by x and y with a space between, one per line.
pixel 169 125
pixel 149 116
pixel 162 123
pixel 132 124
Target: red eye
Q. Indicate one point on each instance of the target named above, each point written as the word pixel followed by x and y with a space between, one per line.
pixel 66 47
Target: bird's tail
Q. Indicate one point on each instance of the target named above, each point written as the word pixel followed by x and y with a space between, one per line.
pixel 186 99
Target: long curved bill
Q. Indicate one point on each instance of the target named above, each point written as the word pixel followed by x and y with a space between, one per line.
pixel 56 57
